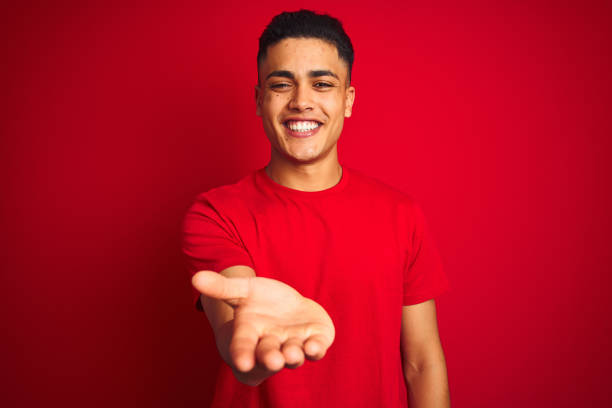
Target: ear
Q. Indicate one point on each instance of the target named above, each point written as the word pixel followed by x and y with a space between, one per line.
pixel 350 99
pixel 257 100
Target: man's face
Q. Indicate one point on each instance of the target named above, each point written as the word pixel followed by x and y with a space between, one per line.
pixel 303 97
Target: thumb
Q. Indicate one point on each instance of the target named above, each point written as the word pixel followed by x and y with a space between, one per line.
pixel 217 286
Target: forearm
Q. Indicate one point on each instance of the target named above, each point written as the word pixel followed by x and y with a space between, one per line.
pixel 427 385
pixel 221 318
pixel 217 311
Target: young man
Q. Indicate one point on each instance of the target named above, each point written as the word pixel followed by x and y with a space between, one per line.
pixel 318 281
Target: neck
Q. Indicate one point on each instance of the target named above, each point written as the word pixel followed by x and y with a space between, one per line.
pixel 316 176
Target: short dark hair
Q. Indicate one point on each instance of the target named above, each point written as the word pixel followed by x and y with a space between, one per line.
pixel 307 24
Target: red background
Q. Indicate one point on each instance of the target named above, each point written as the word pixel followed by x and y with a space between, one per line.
pixel 116 114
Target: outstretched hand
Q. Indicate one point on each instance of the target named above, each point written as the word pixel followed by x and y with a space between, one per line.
pixel 273 326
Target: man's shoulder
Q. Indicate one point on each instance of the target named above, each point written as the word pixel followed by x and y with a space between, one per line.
pixel 378 189
pixel 230 194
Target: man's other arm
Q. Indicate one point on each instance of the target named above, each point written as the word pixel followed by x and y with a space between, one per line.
pixel 423 359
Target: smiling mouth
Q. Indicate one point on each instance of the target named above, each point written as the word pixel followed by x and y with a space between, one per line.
pixel 301 126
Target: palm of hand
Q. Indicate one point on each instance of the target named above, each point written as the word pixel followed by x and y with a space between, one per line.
pixel 274 326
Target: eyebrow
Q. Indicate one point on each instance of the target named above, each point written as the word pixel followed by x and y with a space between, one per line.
pixel 322 72
pixel 311 74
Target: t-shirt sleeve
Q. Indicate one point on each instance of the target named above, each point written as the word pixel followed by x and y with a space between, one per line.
pixel 210 241
pixel 424 277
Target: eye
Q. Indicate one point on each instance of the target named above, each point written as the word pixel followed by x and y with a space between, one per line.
pixel 280 86
pixel 322 85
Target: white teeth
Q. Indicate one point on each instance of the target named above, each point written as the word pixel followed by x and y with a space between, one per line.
pixel 302 126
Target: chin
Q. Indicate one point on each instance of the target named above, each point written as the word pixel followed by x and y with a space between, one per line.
pixel 297 152
pixel 303 157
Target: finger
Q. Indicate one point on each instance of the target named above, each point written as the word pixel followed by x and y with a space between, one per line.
pixel 316 346
pixel 217 286
pixel 242 347
pixel 268 353
pixel 293 353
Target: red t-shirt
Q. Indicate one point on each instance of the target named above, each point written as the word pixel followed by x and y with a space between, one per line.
pixel 360 249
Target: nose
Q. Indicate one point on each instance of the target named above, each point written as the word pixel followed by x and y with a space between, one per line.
pixel 300 99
